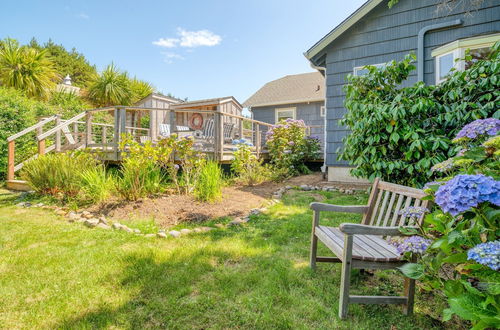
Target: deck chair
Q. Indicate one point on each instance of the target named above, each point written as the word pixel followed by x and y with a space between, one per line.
pixel 362 246
pixel 164 130
pixel 228 131
pixel 180 128
pixel 207 131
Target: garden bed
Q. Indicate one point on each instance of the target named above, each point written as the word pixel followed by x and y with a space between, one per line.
pixel 170 210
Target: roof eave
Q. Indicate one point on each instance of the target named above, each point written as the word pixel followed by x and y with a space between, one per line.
pixel 340 29
pixel 284 102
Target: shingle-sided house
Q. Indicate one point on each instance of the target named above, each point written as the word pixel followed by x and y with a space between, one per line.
pixel 375 34
pixel 299 96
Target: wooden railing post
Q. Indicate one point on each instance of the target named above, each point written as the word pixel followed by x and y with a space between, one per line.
pixel 88 129
pixel 11 160
pixel 257 141
pixel 41 147
pixel 104 137
pixel 75 132
pixel 219 135
pixel 58 134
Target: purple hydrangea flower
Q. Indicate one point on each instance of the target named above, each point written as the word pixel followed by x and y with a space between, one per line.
pixel 291 143
pixel 414 244
pixel 489 126
pixel 465 191
pixel 414 212
pixel 487 254
pixel 176 166
pixel 287 151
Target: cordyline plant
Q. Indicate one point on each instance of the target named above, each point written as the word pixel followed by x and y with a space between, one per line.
pixel 458 242
pixel 289 147
pixel 399 133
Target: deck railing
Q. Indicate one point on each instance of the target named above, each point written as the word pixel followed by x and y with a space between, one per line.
pixel 83 131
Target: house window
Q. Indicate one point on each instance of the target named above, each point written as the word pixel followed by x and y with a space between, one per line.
pixel 285 113
pixel 322 111
pixel 362 70
pixel 452 55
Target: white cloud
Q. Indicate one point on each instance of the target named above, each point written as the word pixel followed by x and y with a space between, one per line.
pixel 190 39
pixel 198 38
pixel 170 57
pixel 166 42
pixel 83 16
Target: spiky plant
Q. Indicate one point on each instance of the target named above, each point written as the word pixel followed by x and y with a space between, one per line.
pixel 112 87
pixel 27 69
pixel 140 89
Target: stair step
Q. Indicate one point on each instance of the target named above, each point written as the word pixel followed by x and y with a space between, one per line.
pixel 18 185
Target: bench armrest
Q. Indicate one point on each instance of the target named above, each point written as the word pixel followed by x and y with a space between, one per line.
pixel 339 208
pixel 352 228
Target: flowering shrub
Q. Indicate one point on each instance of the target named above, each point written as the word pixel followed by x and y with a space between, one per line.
pixel 399 133
pixel 413 244
pixel 289 147
pixel 247 167
pixel 462 258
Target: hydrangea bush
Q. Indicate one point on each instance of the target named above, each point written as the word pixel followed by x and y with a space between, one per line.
pixel 462 259
pixel 289 147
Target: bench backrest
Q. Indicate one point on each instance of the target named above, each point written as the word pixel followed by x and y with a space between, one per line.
pixel 388 199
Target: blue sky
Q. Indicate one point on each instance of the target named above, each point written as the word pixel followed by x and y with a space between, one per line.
pixel 194 49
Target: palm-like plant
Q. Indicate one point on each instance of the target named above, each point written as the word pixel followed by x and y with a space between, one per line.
pixel 27 69
pixel 112 87
pixel 140 89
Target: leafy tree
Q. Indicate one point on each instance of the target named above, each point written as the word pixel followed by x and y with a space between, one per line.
pixel 68 104
pixel 140 89
pixel 66 62
pixel 399 133
pixel 112 87
pixel 27 69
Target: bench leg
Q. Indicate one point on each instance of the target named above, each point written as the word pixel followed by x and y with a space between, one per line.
pixel 409 292
pixel 314 249
pixel 345 280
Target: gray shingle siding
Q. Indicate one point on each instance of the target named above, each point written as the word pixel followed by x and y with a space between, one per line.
pixel 390 34
pixel 310 113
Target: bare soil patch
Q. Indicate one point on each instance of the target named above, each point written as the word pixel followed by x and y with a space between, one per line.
pixel 170 210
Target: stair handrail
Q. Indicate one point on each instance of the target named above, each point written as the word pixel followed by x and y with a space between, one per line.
pixel 61 126
pixel 32 128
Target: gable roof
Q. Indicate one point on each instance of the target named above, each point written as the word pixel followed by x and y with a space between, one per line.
pixel 297 88
pixel 324 42
pixel 214 101
pixel 159 96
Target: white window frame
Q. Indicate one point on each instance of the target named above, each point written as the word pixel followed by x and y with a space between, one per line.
pixel 322 111
pixel 278 110
pixel 359 68
pixel 458 48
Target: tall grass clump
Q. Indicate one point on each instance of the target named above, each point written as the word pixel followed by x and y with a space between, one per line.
pixel 96 184
pixel 208 187
pixel 59 174
pixel 140 177
pixel 247 167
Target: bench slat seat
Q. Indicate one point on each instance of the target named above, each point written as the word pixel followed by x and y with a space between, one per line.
pixel 365 247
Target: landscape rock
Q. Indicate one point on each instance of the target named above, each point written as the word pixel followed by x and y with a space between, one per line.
pixel 186 231
pixel 206 229
pixel 288 187
pixel 88 215
pixel 103 220
pixel 305 187
pixel 102 225
pixel 125 228
pixel 116 225
pixel 219 225
pixel 342 190
pixel 161 234
pixel 174 233
pixel 91 223
pixel 60 212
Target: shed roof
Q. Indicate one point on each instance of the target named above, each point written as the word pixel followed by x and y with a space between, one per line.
pixel 324 42
pixel 206 102
pixel 297 88
pixel 159 96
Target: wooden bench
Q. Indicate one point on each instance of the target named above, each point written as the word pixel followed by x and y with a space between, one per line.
pixel 364 246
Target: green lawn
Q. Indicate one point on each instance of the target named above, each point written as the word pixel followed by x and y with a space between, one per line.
pixel 54 274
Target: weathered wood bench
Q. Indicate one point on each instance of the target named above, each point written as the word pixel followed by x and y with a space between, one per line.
pixel 362 246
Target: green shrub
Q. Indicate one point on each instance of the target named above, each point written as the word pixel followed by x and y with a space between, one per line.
pixel 398 133
pixel 289 147
pixel 247 167
pixel 96 184
pixel 208 187
pixel 68 104
pixel 139 178
pixel 58 174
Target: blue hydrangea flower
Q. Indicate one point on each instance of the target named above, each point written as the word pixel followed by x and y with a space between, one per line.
pixel 487 254
pixel 414 212
pixel 236 141
pixel 465 191
pixel 413 244
pixel 489 126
